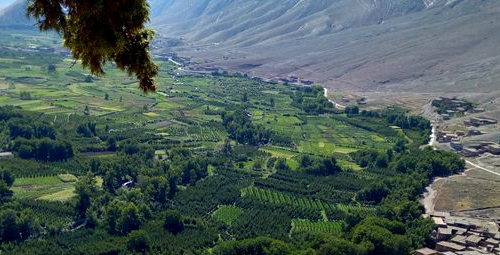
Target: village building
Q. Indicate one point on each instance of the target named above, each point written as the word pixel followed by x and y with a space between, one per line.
pixel 474 132
pixel 493 149
pixel 438 221
pixel 470 152
pixel 444 246
pixel 458 146
pixel 443 234
pixel 426 251
pixel 473 240
pixel 480 121
pixel 459 239
pixel 477 110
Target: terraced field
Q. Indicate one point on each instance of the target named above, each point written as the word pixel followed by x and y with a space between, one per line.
pixel 328 227
pixel 53 188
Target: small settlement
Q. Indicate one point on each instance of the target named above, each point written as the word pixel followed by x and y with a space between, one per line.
pixel 450 107
pixel 463 236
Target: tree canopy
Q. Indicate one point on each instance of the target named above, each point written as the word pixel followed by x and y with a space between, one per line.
pixel 100 31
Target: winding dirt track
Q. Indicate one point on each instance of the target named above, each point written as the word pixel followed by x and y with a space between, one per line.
pixel 482 168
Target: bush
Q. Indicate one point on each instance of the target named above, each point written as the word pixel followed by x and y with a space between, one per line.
pixel 173 222
pixel 138 241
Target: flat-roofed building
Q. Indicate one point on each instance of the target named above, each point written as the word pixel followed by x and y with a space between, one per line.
pixel 444 234
pixel 439 221
pixel 470 152
pixel 473 240
pixel 426 251
pixel 444 246
pixel 459 239
pixel 493 149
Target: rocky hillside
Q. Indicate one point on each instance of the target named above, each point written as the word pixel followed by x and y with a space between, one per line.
pixel 421 45
pixel 355 44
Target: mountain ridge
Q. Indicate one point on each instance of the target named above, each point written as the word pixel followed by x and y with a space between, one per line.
pixel 425 45
pixel 360 44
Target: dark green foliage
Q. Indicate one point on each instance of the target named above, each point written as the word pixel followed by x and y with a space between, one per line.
pixel 319 166
pixel 411 122
pixel 375 193
pixel 260 245
pixel 85 188
pixel 173 222
pixel 87 129
pixel 341 247
pixel 352 110
pixel 382 236
pixel 138 241
pixel 43 149
pixel 311 100
pixel 5 192
pixel 29 128
pixel 123 217
pixel 240 128
pixel 16 226
pixel 432 163
pixel 97 33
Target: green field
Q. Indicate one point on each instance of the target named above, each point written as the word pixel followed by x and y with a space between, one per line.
pixel 227 214
pixel 54 188
pixel 207 161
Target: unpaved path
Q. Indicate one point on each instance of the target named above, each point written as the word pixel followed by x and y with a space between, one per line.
pixel 481 168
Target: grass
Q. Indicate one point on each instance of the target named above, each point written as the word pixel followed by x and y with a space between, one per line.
pixel 45 188
pixel 67 178
pixel 227 214
pixel 61 196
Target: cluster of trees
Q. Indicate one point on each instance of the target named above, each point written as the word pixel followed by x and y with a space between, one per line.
pixel 409 122
pixel 87 129
pixel 32 138
pixel 311 100
pixel 319 166
pixel 240 128
pixel 9 112
pixel 17 225
pixel 413 168
pixel 352 110
pixel 430 162
pixel 372 158
pixel 43 149
pixel 14 225
pixel 30 128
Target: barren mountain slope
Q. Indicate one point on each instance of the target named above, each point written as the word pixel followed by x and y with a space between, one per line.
pixel 416 45
pixel 356 44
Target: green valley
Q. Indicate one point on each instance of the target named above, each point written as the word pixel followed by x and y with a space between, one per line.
pixel 209 164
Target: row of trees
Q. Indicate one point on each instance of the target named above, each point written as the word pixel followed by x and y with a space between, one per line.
pixel 43 149
pixel 30 128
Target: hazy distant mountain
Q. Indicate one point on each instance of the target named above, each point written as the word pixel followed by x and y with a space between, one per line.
pixel 4 3
pixel 14 14
pixel 448 45
pixel 440 44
